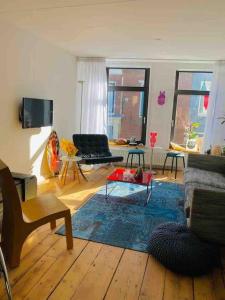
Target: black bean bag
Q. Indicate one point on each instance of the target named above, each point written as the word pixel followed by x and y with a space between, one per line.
pixel 181 251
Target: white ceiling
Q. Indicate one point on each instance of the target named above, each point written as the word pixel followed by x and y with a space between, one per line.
pixel 153 29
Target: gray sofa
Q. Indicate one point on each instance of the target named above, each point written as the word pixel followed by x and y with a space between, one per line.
pixel 205 172
pixel 204 180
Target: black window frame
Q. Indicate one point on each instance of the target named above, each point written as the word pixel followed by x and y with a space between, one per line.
pixel 178 92
pixel 144 89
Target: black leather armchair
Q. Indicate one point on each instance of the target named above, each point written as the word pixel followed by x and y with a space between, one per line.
pixel 94 149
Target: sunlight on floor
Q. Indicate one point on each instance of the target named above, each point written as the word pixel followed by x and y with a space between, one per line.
pixel 168 176
pixel 37 147
pixel 78 194
pixel 74 194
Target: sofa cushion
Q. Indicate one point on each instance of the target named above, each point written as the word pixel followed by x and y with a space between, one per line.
pixel 207 178
pixel 189 191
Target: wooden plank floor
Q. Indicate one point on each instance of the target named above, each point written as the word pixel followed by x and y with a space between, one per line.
pixel 97 271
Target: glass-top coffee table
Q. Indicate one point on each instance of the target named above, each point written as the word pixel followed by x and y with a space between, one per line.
pixel 127 176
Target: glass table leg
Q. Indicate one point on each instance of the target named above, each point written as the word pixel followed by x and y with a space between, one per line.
pixel 149 193
pixel 106 190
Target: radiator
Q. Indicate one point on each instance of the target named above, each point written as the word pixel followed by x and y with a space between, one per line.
pixel 159 156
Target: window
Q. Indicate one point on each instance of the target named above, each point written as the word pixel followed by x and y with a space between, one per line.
pixel 111 102
pixel 202 112
pixel 111 99
pixel 141 105
pixel 190 103
pixel 110 131
pixel 127 102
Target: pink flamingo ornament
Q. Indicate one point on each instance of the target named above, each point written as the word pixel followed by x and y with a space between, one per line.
pixel 152 141
pixel 162 98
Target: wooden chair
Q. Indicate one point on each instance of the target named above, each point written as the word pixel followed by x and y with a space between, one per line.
pixel 20 219
pixel 3 271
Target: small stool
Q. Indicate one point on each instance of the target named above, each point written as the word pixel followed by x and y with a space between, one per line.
pixel 74 161
pixel 138 152
pixel 173 155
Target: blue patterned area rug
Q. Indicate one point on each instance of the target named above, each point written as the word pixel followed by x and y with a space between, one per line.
pixel 123 220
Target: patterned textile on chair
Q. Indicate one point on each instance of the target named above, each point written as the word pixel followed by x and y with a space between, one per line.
pixel 201 179
pixel 53 158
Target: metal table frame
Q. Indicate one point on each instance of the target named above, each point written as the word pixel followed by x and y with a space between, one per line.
pixel 149 191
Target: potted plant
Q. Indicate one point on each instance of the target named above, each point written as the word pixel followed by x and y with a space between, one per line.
pixel 222 121
pixel 192 135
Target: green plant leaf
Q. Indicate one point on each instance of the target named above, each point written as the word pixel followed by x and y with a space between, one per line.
pixel 193 135
pixel 195 124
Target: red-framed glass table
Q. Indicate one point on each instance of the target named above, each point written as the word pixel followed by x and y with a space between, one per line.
pixel 127 176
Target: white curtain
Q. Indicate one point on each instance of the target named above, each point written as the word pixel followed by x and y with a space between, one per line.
pixel 92 88
pixel 214 131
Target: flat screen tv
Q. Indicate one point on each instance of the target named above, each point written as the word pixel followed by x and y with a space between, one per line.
pixel 36 113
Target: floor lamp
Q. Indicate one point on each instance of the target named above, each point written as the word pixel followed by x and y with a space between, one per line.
pixel 81 102
pixel 83 167
pixel 152 141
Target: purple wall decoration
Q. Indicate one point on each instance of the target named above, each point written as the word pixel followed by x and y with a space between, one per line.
pixel 162 98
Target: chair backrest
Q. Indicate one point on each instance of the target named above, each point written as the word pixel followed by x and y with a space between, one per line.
pixel 91 144
pixel 12 212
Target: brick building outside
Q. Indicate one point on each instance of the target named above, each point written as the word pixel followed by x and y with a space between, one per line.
pixel 125 108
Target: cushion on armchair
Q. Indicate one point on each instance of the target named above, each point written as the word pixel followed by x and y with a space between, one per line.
pixel 214 179
pixel 191 187
pixel 94 149
pixel 210 163
pixel 201 179
pixel 89 144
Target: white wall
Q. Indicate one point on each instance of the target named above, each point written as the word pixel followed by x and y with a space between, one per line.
pixel 30 67
pixel 162 77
